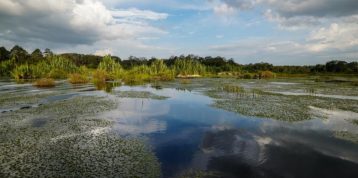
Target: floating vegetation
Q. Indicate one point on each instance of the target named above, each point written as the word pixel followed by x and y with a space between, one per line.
pixel 198 174
pixel 346 136
pixel 67 140
pixel 251 101
pixel 140 94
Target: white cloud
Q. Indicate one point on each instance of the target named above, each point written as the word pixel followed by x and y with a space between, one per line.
pixel 134 13
pixel 341 36
pixel 103 52
pixel 224 9
pixel 75 21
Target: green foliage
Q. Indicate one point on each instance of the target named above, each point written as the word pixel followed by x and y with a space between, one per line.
pixel 100 76
pixel 6 67
pixel 53 67
pixel 113 68
pixel 160 71
pixel 77 78
pixel 23 71
pixel 189 67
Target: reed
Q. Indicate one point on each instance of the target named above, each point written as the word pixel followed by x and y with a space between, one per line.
pixel 44 83
pixel 77 78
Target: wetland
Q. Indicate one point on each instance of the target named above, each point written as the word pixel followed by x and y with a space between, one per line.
pixel 205 127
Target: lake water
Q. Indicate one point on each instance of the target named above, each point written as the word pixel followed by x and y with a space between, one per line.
pixel 188 133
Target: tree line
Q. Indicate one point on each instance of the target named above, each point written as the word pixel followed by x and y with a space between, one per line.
pixel 18 55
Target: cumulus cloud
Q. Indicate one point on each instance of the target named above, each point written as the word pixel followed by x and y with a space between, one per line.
pixel 74 21
pixel 342 36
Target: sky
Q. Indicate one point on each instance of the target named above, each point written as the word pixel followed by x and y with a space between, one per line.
pixel 282 32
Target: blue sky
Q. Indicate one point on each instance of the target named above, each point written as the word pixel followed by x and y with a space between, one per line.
pixel 276 31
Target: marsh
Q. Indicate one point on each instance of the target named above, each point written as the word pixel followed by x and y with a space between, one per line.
pixel 204 127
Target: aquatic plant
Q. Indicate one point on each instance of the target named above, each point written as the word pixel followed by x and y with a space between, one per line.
pixel 159 71
pixel 140 94
pixel 189 67
pixel 44 83
pixel 100 76
pixel 113 68
pixel 70 143
pixel 23 71
pixel 77 78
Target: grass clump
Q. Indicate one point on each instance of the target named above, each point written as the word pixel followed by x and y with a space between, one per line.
pixel 44 83
pixel 187 67
pixel 77 78
pixel 113 68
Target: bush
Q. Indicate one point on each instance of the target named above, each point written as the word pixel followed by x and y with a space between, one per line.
pixel 266 74
pixel 247 76
pixel 44 83
pixel 77 78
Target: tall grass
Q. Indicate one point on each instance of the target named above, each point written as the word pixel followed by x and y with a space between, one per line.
pixel 189 67
pixel 53 67
pixel 113 68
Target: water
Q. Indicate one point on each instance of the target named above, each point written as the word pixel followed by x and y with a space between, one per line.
pixel 187 133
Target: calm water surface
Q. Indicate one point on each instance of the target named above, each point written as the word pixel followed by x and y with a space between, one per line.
pixel 187 133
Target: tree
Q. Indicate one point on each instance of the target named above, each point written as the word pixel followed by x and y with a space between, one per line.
pixel 19 54
pixel 36 56
pixel 48 52
pixel 4 54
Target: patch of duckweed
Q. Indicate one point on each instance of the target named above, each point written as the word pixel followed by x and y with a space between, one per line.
pixel 8 101
pixel 199 174
pixel 347 136
pixel 140 94
pixel 255 102
pixel 72 142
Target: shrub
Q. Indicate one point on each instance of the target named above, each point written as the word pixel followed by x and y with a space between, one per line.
pixel 77 78
pixel 44 83
pixel 266 74
pixel 247 76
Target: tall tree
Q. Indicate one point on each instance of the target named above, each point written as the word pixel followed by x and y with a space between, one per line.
pixel 4 54
pixel 36 56
pixel 19 54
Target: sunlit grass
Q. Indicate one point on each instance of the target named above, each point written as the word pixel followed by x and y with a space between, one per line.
pixel 77 78
pixel 45 83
